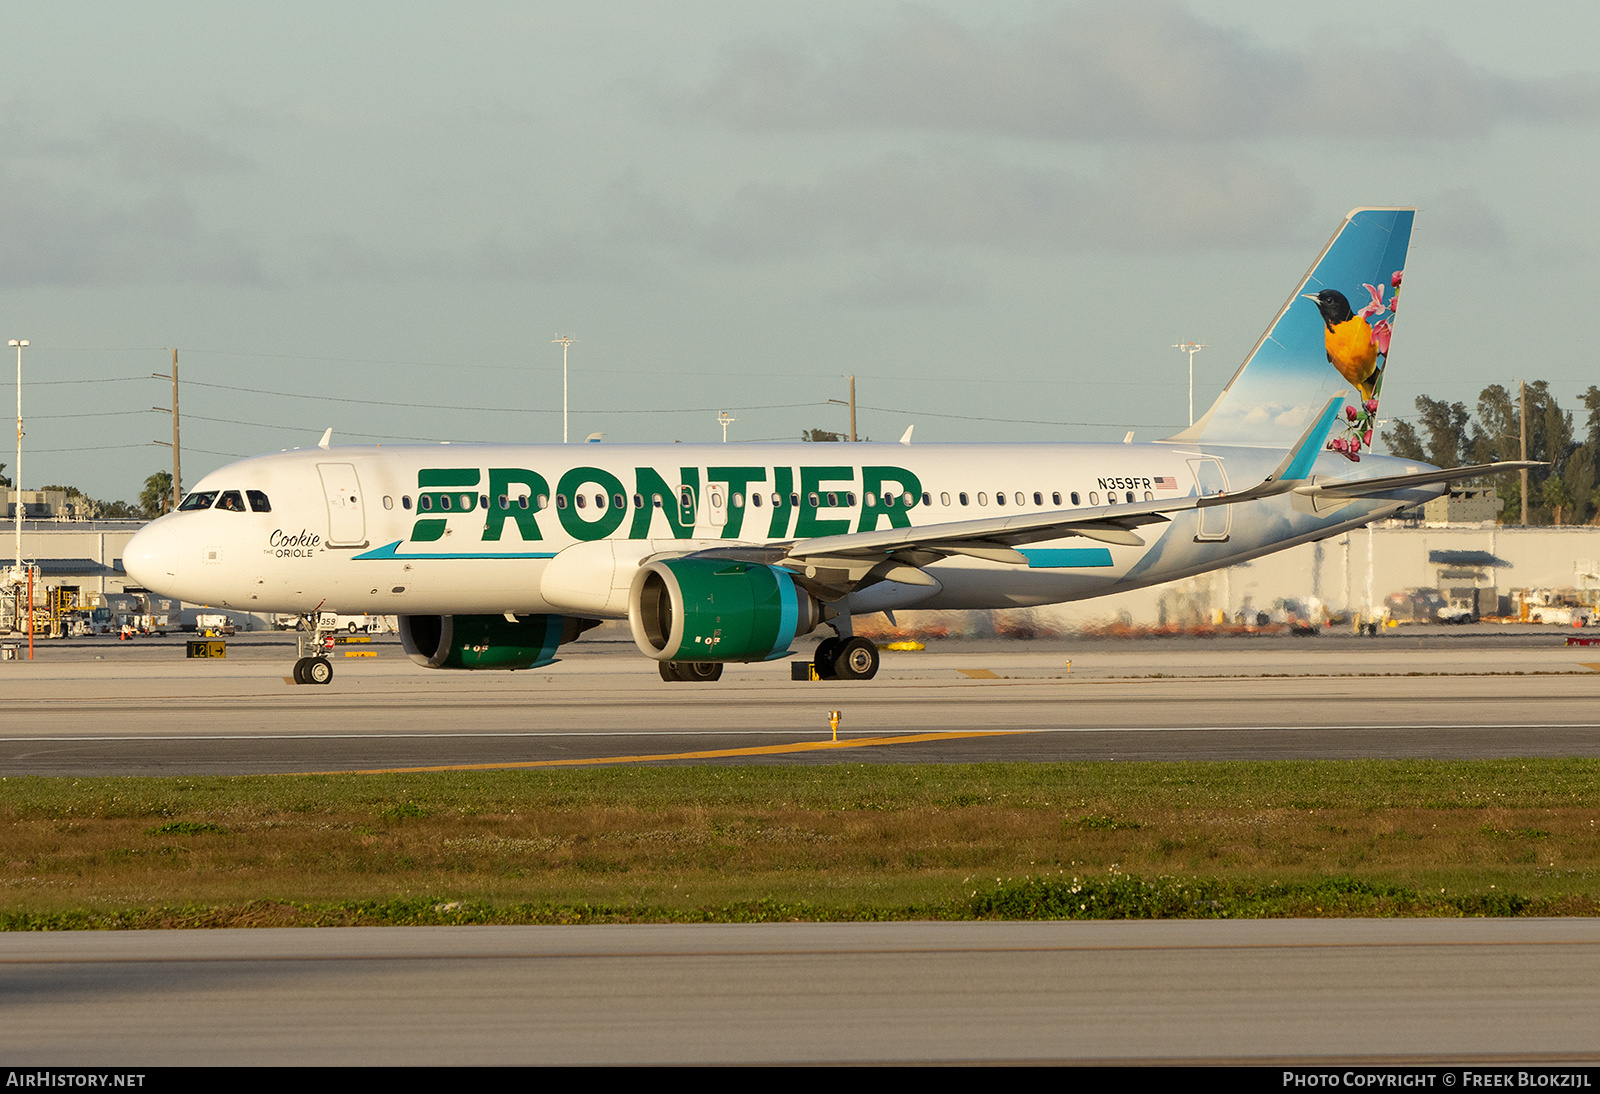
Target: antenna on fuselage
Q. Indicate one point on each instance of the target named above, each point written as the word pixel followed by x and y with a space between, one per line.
pixel 327 438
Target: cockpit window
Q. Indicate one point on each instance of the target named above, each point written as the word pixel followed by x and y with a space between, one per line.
pixel 230 502
pixel 258 501
pixel 200 500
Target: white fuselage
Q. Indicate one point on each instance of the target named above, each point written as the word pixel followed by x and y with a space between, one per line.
pixel 476 529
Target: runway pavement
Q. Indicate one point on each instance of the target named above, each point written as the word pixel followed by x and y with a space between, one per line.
pixel 105 707
pixel 1464 992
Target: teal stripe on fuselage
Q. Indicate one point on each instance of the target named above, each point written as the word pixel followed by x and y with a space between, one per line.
pixel 1050 557
pixel 392 551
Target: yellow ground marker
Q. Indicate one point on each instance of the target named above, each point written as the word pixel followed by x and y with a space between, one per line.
pixel 1595 665
pixel 711 754
pixel 980 674
pixel 361 653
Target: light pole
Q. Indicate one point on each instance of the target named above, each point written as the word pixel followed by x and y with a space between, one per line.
pixel 724 420
pixel 16 472
pixel 1191 348
pixel 564 342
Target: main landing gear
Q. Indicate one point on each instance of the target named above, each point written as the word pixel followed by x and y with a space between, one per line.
pixel 845 659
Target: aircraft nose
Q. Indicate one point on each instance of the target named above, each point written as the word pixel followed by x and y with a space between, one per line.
pixel 151 557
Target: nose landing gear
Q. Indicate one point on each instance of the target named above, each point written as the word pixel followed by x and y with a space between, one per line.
pixel 314 667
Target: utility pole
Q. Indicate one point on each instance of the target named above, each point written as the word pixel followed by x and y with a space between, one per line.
pixel 16 472
pixel 563 342
pixel 1191 348
pixel 177 470
pixel 852 405
pixel 1522 421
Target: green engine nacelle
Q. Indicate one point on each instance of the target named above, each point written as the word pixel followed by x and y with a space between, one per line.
pixel 487 641
pixel 694 609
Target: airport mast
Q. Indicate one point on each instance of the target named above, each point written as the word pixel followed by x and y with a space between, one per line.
pixel 564 342
pixel 1191 348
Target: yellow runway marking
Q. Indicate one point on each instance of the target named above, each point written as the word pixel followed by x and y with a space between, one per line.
pixel 717 753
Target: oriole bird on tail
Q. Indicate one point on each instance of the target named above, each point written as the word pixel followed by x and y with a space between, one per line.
pixel 1349 341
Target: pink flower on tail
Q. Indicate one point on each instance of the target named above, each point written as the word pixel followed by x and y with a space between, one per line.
pixel 1394 278
pixel 1350 413
pixel 1381 330
pixel 1377 306
pixel 1372 406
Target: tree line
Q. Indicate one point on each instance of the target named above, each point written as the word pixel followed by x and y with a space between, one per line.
pixel 1567 491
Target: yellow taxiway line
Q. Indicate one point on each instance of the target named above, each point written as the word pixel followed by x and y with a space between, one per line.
pixel 709 754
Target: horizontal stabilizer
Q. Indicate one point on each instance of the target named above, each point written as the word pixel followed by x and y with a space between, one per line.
pixel 1366 488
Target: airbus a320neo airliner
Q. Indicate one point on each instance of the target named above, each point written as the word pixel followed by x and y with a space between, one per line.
pixel 492 556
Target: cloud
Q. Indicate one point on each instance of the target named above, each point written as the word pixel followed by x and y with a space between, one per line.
pixel 903 285
pixel 1131 72
pixel 147 146
pixel 1459 218
pixel 1143 202
pixel 52 234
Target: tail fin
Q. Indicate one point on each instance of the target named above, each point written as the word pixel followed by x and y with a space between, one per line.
pixel 1332 334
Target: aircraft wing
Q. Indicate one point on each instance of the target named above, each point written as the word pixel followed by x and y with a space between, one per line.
pixel 835 565
pixel 1365 488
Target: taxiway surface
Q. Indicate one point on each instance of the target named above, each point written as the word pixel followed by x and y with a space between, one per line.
pixel 1278 991
pixel 101 707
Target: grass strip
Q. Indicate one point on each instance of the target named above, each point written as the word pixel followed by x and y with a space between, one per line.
pixel 756 843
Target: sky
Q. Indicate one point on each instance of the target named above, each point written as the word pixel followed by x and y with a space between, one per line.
pixel 998 217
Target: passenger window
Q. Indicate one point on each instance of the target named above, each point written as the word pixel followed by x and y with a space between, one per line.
pixel 544 501
pixel 425 503
pixel 813 499
pixel 1055 498
pixel 927 498
pixel 231 502
pixel 963 499
pixel 1094 497
pixel 872 501
pixel 561 501
pixel 833 499
pixel 655 499
pixel 1038 498
pixel 738 500
pixel 983 499
pixel 505 501
pixel 583 502
pixel 522 502
pixel 944 499
pixel 907 500
pixel 1130 495
pixel 638 501
pixel 201 500
pixel 850 498
pixel 1075 497
pixel 483 501
pixel 794 500
pixel 405 501
pixel 888 501
pixel 260 504
pixel 619 502
pixel 755 500
pixel 1148 496
pixel 999 497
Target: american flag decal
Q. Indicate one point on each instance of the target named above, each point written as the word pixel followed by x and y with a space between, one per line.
pixel 1166 482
